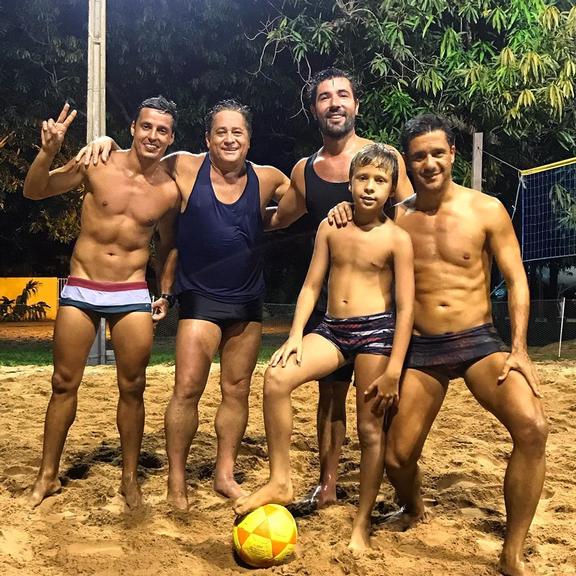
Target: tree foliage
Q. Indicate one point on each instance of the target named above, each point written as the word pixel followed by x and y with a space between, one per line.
pixel 504 67
pixel 193 52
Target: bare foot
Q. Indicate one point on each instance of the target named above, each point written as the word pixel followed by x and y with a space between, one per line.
pixel 360 539
pixel 513 567
pixel 318 497
pixel 130 489
pixel 177 496
pixel 43 487
pixel 327 495
pixel 228 488
pixel 270 493
pixel 403 519
pixel 178 501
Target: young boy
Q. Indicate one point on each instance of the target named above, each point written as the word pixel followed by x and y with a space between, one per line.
pixel 365 324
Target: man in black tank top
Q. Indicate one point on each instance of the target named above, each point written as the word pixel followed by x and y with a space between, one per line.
pixel 317 184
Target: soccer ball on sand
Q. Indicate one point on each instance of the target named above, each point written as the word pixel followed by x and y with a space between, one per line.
pixel 266 536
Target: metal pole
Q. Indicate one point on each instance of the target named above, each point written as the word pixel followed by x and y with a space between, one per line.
pixel 96 117
pixel 477 150
pixel 563 308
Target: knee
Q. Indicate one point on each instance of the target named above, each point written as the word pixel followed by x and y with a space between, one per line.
pixel 531 433
pixel 188 388
pixel 398 458
pixel 238 389
pixel 275 384
pixel 64 383
pixel 132 387
pixel 369 435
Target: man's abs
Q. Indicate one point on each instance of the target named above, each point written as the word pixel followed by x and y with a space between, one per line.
pixel 450 311
pixel 108 262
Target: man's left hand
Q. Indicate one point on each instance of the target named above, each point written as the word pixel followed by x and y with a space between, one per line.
pixel 520 361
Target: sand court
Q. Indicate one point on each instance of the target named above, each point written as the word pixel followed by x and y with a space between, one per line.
pixel 87 530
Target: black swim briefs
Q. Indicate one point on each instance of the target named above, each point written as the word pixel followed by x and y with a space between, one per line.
pixel 194 306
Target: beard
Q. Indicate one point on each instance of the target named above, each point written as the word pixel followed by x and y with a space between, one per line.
pixel 339 131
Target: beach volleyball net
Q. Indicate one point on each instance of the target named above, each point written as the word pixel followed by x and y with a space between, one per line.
pixel 549 211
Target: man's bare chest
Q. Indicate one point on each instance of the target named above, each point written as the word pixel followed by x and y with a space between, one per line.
pixel 445 238
pixel 144 205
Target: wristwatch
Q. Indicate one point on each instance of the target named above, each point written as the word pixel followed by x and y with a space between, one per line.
pixel 170 298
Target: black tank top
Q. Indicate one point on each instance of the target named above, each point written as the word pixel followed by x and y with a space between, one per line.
pixel 320 197
pixel 220 245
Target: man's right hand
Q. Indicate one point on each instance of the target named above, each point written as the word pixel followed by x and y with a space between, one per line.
pixel 97 150
pixel 53 132
pixel 341 214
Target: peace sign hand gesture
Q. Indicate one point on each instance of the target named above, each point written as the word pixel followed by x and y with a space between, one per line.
pixel 53 132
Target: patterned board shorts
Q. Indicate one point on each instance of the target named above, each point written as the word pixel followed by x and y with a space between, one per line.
pixel 359 335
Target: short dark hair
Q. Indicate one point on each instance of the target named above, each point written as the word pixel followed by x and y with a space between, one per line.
pixel 379 155
pixel 162 104
pixel 328 74
pixel 232 105
pixel 422 125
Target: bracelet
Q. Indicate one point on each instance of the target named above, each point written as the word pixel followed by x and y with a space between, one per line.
pixel 170 298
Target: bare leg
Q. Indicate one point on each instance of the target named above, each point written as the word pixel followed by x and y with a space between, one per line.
pixel 196 343
pixel 514 404
pixel 319 358
pixel 74 333
pixel 238 356
pixel 331 427
pixel 421 396
pixel 372 447
pixel 132 339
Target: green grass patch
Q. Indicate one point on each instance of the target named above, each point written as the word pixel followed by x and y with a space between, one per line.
pixel 39 352
pixel 164 352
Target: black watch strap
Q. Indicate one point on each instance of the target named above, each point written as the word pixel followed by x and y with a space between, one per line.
pixel 170 298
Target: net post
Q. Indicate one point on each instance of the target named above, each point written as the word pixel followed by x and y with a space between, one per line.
pixel 477 150
pixel 97 354
pixel 562 308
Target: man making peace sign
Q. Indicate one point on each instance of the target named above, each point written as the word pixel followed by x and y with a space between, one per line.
pixel 125 201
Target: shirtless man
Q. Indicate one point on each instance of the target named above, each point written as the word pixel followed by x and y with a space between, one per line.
pixel 125 201
pixel 219 284
pixel 456 232
pixel 318 183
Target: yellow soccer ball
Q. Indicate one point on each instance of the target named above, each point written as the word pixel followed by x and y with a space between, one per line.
pixel 265 537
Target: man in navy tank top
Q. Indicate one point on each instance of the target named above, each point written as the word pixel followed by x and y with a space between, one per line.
pixel 220 287
pixel 318 183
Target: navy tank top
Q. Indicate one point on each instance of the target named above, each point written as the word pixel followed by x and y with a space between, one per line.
pixel 220 245
pixel 322 195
